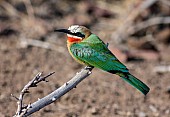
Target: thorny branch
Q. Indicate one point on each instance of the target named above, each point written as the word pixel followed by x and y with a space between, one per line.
pixel 21 110
pixel 41 103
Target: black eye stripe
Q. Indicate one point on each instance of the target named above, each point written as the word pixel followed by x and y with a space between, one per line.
pixel 80 34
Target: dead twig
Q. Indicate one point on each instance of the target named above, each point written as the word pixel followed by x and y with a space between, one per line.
pixel 162 69
pixel 121 33
pixel 25 42
pixel 21 110
pixel 11 11
pixel 41 103
pixel 148 23
pixel 29 8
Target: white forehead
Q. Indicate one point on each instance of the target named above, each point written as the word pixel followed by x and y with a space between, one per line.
pixel 74 28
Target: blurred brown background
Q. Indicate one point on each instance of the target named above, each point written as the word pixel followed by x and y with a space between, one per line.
pixel 137 31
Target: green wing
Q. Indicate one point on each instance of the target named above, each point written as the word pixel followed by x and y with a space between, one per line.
pixel 94 52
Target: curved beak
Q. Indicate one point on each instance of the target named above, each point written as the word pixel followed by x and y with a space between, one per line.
pixel 78 34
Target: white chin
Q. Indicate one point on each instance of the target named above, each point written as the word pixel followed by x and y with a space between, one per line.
pixel 73 36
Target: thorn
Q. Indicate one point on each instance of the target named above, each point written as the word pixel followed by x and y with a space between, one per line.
pixel 66 83
pixel 52 73
pixel 75 87
pixel 42 79
pixel 14 97
pixel 77 73
pixel 53 99
pixel 45 80
pixel 33 85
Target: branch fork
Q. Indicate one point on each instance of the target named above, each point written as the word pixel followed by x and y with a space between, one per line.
pixel 24 111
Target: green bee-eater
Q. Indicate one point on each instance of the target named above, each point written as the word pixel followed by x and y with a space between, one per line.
pixel 88 49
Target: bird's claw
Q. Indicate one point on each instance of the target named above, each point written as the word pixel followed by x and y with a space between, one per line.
pixel 89 67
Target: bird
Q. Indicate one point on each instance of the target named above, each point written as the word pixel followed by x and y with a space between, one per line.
pixel 88 49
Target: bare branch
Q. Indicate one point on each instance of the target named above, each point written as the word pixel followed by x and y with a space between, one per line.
pixel 148 23
pixel 24 42
pixel 121 33
pixel 21 110
pixel 29 8
pixel 41 103
pixel 162 69
pixel 10 9
pixel 14 97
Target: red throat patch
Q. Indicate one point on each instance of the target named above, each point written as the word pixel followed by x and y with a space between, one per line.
pixel 73 39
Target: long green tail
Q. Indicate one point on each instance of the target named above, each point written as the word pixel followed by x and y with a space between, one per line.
pixel 135 82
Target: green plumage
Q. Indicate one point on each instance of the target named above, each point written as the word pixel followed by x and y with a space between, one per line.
pixel 93 52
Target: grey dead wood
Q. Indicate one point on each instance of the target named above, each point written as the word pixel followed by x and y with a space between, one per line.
pixel 52 97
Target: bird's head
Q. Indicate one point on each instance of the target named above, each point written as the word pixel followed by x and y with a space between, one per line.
pixel 76 33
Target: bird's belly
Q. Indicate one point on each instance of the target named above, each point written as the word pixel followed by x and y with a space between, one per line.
pixel 79 61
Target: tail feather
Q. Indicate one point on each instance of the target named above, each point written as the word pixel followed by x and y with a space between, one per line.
pixel 135 83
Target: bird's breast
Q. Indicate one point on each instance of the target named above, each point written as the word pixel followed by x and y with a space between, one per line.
pixel 69 49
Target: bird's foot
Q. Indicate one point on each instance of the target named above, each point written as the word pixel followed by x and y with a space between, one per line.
pixel 89 67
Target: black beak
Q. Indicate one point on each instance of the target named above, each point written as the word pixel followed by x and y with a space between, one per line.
pixel 64 31
pixel 78 34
